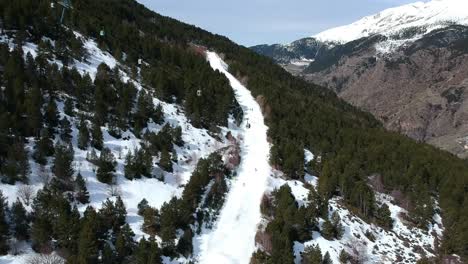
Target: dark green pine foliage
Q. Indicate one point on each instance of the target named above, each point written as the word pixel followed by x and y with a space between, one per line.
pixel 299 115
pixel 68 107
pixel 51 115
pixel 4 228
pixel 63 162
pixel 312 255
pixel 83 135
pixel 81 191
pixel 124 244
pixel 148 252
pixel 383 217
pixel 20 221
pixel 65 129
pixel 16 166
pixel 97 137
pixel 44 148
pixel 106 166
pixel 138 164
pixel 165 161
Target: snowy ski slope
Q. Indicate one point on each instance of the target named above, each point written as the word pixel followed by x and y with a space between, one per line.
pixel 233 238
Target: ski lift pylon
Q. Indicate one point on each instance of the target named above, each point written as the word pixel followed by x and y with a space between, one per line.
pixel 66 5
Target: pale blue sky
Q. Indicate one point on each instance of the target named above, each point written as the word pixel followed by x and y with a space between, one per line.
pixel 251 22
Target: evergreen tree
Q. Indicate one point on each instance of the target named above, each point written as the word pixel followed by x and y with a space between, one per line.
pixel 88 244
pixel 83 134
pixel 16 166
pixel 51 115
pixel 65 130
pixel 328 230
pixel 44 148
pixel 148 252
pixel 4 228
pixel 124 244
pixel 63 162
pixel 383 217
pixel 312 255
pixel 33 104
pixel 165 161
pixel 68 107
pixel 82 194
pixel 120 211
pixel 142 206
pixel 327 259
pixel 151 222
pixel 97 137
pixel 20 221
pixel 106 166
pixel 344 257
pixel 109 256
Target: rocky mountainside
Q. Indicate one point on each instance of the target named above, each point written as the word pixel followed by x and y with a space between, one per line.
pixel 405 65
pixel 130 137
pixel 418 90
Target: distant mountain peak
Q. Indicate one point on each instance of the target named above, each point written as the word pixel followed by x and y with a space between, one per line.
pixel 425 15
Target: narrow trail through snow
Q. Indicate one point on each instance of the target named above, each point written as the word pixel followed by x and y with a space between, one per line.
pixel 233 238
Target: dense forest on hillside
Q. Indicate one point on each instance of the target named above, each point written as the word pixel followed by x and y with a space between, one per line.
pixel 353 145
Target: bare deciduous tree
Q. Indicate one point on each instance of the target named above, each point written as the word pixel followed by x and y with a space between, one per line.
pixel 113 190
pixel 44 175
pixel 45 259
pixel 26 194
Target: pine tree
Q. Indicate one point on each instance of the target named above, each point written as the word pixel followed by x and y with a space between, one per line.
pixel 337 226
pixel 16 167
pixel 120 211
pixel 312 255
pixel 185 245
pixel 106 166
pixel 165 162
pixel 82 194
pixel 20 221
pixel 344 257
pixel 109 256
pixel 44 148
pixel 63 162
pixel 384 217
pixel 33 104
pixel 4 228
pixel 150 220
pixel 142 206
pixel 40 233
pixel 83 135
pixel 327 259
pixel 328 230
pixel 51 115
pixel 148 252
pixel 97 137
pixel 68 107
pixel 124 244
pixel 88 244
pixel 65 130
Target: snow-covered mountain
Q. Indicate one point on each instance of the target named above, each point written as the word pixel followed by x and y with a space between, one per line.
pixel 422 17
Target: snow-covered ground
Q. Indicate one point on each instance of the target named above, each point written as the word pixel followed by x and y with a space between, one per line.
pixel 233 237
pixel 198 143
pixel 432 15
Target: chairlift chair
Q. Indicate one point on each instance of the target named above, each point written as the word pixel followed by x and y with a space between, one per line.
pixel 199 93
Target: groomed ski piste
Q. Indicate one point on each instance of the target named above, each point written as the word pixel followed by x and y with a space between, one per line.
pixel 232 240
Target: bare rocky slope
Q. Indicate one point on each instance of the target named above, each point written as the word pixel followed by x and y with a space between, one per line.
pixel 418 89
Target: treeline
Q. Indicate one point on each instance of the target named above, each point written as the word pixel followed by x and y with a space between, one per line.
pixel 353 144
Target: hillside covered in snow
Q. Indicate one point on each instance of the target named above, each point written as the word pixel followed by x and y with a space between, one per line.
pixel 129 137
pixel 420 17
